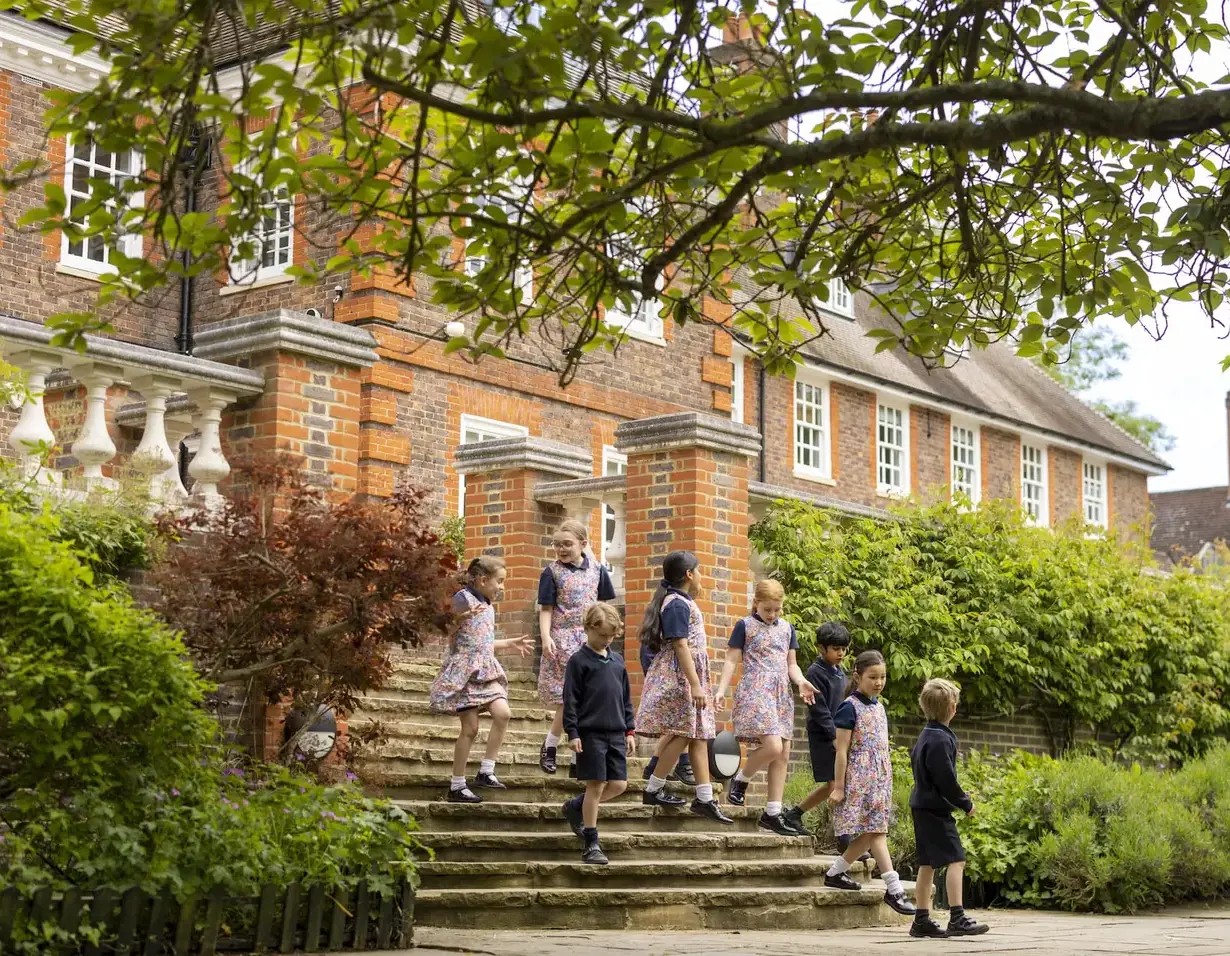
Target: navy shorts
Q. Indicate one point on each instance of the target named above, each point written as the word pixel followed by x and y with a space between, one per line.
pixel 603 756
pixel 823 759
pixel 937 839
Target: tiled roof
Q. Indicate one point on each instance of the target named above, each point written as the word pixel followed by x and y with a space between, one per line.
pixel 1185 521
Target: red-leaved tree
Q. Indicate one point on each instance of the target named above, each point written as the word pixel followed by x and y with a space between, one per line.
pixel 291 591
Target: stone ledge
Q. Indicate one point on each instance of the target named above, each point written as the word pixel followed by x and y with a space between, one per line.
pixel 764 492
pixel 287 331
pixel 525 452
pixel 609 486
pixel 687 430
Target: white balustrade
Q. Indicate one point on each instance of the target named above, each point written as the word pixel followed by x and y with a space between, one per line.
pixel 617 547
pixel 32 434
pixel 209 466
pixel 94 447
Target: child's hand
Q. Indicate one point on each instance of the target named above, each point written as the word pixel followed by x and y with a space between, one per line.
pixel 548 646
pixel 719 700
pixel 631 745
pixel 807 692
pixel 837 796
pixel 523 645
pixel 699 699
pixel 575 744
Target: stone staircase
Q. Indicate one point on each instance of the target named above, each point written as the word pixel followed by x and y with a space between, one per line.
pixel 512 863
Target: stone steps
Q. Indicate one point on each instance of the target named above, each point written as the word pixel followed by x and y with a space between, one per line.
pixel 616 816
pixel 406 756
pixel 486 846
pixel 523 787
pixel 734 908
pixel 427 670
pixel 621 874
pixel 374 706
pixel 413 687
pixel 442 734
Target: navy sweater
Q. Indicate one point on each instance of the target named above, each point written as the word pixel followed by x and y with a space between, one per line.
pixel 830 684
pixel 597 698
pixel 935 771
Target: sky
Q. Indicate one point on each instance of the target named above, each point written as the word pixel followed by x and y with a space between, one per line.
pixel 1179 380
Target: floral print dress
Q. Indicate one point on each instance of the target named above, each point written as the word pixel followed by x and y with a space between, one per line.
pixel 869 772
pixel 666 701
pixel 575 590
pixel 470 676
pixel 764 700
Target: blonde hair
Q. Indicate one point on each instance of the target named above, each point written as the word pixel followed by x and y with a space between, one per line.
pixel 575 528
pixel 484 566
pixel 939 698
pixel 768 590
pixel 596 615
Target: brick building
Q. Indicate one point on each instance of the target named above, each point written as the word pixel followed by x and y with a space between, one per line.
pixel 676 440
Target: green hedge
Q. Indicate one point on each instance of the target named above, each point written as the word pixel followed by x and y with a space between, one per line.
pixel 1078 833
pixel 1081 626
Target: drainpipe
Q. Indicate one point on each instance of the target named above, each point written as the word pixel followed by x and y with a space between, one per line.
pixel 760 389
pixel 190 154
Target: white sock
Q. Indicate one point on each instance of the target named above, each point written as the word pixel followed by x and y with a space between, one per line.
pixel 486 766
pixel 655 784
pixel 457 783
pixel 739 778
pixel 892 882
pixel 704 792
pixel 552 739
pixel 839 867
pixel 773 808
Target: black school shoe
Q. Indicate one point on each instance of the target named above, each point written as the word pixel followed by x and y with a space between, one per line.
pixel 927 929
pixel 964 926
pixel 546 759
pixel 488 781
pixel 794 817
pixel 736 793
pixel 710 809
pixel 899 904
pixel 463 795
pixel 593 854
pixel 661 799
pixel 573 816
pixel 841 881
pixel 683 773
pixel 777 824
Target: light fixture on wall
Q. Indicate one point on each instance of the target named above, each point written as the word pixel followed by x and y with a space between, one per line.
pixel 317 732
pixel 455 329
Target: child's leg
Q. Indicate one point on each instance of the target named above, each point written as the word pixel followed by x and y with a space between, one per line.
pixel 500 716
pixel 698 750
pixel 816 797
pixel 854 849
pixel 923 884
pixel 892 882
pixel 594 790
pixel 668 753
pixel 557 722
pixel 954 882
pixel 465 740
pixel 777 775
pixel 770 749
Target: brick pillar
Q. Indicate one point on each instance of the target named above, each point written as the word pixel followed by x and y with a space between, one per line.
pixel 687 490
pixel 314 369
pixel 504 518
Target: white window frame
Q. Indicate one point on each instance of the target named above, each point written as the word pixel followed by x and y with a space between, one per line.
pixel 491 428
pixel 737 386
pixel 613 463
pixel 883 487
pixel 1100 520
pixel 806 389
pixel 133 244
pixel 1042 518
pixel 961 428
pixel 250 271
pixel 839 300
pixel 644 322
pixel 523 272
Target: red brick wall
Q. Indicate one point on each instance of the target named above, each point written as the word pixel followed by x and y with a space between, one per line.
pixel 1064 483
pixel 1001 465
pixel 930 453
pixel 1129 500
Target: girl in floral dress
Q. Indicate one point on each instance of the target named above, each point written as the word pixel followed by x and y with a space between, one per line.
pixel 677 699
pixel 763 714
pixel 471 680
pixel 567 586
pixel 862 793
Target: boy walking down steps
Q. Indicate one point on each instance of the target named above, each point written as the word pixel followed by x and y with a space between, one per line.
pixel 598 722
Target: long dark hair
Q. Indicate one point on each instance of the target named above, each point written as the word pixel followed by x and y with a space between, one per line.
pixel 675 568
pixel 862 663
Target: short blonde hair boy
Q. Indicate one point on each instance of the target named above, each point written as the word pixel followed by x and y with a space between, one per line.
pixel 939 699
pixel 596 615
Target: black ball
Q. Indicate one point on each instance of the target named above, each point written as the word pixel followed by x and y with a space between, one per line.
pixel 725 756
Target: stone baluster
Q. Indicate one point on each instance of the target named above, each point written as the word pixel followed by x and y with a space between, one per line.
pixel 209 466
pixel 94 447
pixel 177 430
pixel 32 431
pixel 617 549
pixel 154 451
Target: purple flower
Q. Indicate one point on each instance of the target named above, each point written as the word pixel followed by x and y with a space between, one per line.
pixel 351 777
pixel 174 792
pixel 286 809
pixel 232 772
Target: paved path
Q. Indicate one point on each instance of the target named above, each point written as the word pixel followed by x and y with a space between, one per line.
pixel 1191 931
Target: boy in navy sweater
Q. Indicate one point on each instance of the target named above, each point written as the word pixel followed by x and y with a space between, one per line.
pixel 935 795
pixel 826 675
pixel 598 722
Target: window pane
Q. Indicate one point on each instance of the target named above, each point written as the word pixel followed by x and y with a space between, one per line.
pixel 809 436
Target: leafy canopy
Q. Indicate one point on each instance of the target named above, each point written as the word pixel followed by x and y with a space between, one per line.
pixel 979 170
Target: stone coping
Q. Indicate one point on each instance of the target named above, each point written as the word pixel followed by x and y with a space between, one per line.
pixel 524 452
pixel 287 331
pixel 766 492
pixel 132 414
pixel 606 487
pixel 137 360
pixel 687 430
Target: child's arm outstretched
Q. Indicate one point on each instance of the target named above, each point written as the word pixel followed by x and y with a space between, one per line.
pixel 522 645
pixel 806 690
pixel 842 748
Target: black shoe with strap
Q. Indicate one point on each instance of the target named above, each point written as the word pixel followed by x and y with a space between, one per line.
pixel 927 928
pixel 899 904
pixel 711 810
pixel 777 824
pixel 964 926
pixel 683 773
pixel 593 854
pixel 546 759
pixel 794 817
pixel 463 795
pixel 842 881
pixel 736 793
pixel 661 798
pixel 488 781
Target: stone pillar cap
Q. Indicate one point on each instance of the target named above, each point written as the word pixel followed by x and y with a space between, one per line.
pixel 286 330
pixel 528 452
pixel 687 430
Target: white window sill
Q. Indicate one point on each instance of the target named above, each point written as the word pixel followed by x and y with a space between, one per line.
pixel 818 477
pixel 262 283
pixel 892 494
pixel 645 337
pixel 81 272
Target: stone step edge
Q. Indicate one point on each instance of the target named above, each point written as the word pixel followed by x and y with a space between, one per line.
pixel 633 838
pixel 872 894
pixel 817 864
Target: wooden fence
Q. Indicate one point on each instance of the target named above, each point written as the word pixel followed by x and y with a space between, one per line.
pixel 282 919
